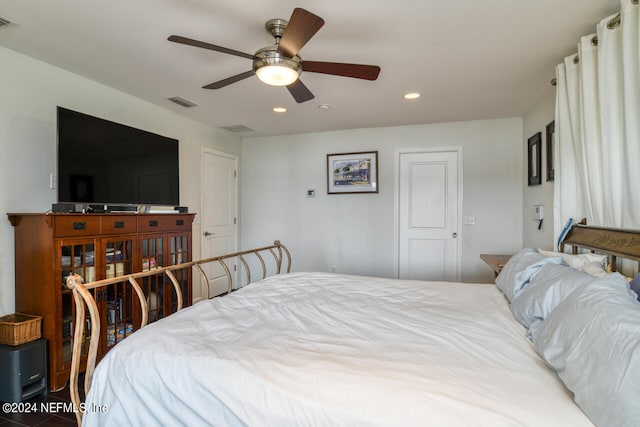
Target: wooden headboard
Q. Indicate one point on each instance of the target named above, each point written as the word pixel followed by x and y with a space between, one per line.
pixel 614 242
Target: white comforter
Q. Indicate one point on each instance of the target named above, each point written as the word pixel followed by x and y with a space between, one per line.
pixel 322 349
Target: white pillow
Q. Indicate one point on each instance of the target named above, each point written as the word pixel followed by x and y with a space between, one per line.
pixel 519 270
pixel 595 269
pixel 546 290
pixel 592 340
pixel 578 261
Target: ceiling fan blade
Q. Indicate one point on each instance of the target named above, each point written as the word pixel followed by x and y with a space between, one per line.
pixel 300 92
pixel 229 80
pixel 357 71
pixel 204 45
pixel 301 27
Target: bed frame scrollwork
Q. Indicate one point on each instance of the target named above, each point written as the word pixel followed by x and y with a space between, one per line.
pixel 84 301
pixel 614 242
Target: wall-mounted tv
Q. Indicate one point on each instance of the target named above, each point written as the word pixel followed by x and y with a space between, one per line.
pixel 102 162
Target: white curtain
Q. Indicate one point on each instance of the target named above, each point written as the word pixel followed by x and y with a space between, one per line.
pixel 597 126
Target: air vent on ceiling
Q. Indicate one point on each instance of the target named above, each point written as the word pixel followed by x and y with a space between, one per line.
pixel 237 128
pixel 181 101
pixel 5 22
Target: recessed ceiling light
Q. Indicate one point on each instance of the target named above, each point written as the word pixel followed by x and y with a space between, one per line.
pixel 324 107
pixel 279 109
pixel 412 95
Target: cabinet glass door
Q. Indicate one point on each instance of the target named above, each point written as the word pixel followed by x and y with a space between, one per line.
pixel 119 299
pixel 179 253
pixel 152 257
pixel 118 257
pixel 151 253
pixel 76 257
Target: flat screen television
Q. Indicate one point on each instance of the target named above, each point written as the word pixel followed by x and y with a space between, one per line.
pixel 102 162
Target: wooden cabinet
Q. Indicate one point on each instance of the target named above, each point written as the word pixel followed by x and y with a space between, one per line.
pixel 49 247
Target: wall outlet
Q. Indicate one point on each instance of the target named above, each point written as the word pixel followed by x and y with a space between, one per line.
pixel 469 220
pixel 53 181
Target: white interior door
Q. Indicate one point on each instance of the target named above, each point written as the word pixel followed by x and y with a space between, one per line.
pixel 429 218
pixel 219 215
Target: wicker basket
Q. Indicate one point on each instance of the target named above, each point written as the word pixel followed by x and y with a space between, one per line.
pixel 18 328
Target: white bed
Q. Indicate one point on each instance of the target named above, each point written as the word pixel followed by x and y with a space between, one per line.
pixel 334 350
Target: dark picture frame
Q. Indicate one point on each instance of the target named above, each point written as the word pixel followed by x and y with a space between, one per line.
pixel 349 173
pixel 534 154
pixel 551 142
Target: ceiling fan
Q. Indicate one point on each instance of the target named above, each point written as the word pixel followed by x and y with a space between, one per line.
pixel 280 64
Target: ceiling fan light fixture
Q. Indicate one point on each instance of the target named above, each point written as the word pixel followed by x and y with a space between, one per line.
pixel 274 69
pixel 277 75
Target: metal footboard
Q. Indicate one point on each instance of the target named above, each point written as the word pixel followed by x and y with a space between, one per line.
pixel 85 301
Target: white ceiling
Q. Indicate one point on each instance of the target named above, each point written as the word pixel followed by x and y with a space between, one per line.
pixel 469 59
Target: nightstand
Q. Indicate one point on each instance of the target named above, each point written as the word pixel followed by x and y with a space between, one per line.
pixel 495 261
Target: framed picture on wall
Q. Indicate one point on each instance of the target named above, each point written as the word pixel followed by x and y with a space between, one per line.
pixel 551 141
pixel 534 145
pixel 349 173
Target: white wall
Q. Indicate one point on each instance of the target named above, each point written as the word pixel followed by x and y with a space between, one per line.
pixel 536 121
pixel 30 91
pixel 355 233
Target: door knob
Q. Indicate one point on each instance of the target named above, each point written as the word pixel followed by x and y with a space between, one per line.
pixel 454 235
pixel 206 233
